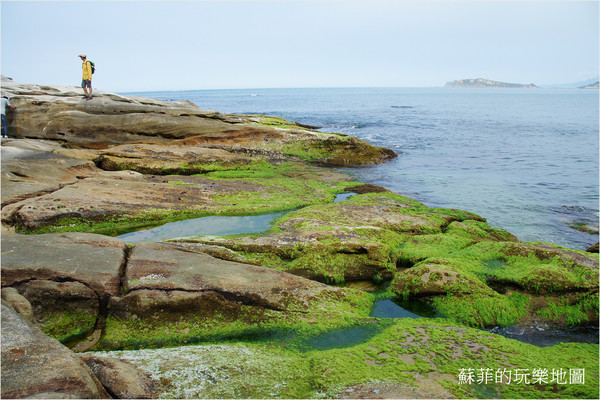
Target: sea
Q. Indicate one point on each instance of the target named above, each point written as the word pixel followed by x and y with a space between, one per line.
pixel 525 159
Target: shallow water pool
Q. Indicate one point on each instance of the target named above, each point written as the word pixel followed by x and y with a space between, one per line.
pixel 220 226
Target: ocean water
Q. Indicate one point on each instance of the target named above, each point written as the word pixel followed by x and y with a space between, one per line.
pixel 524 159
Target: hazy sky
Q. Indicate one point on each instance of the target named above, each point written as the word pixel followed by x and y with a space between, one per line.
pixel 156 45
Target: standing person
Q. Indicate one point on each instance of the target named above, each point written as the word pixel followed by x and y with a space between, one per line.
pixel 5 103
pixel 86 79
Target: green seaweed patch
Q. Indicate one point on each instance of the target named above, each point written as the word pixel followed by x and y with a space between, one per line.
pixel 181 183
pixel 578 311
pixel 68 325
pixel 482 311
pixel 327 259
pixel 279 188
pixel 432 353
pixel 282 123
pixel 486 284
pixel 421 357
pixel 328 310
pixel 118 224
pixel 331 149
pixel 496 262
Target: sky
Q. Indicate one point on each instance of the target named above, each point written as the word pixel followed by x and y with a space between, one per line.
pixel 189 45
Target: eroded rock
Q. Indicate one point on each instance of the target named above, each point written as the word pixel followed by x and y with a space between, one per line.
pixel 18 302
pixel 121 379
pixel 63 310
pixel 186 275
pixel 36 366
pixel 93 260
pixel 62 114
pixel 28 173
pixel 365 237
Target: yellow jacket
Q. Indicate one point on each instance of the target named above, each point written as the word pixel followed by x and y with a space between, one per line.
pixel 87 71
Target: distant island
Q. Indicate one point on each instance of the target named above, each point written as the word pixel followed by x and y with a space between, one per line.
pixel 486 83
pixel 591 86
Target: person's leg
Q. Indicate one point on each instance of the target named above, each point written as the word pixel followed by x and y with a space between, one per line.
pixel 85 90
pixel 4 126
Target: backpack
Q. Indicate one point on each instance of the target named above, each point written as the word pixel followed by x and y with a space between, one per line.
pixel 93 66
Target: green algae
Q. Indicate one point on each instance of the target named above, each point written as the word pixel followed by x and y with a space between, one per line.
pixel 571 313
pixel 224 371
pixel 278 188
pixel 487 275
pixel 427 354
pixel 410 350
pixel 327 310
pixel 68 325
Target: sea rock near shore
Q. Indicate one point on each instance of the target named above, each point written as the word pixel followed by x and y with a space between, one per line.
pixel 364 237
pixel 46 186
pixel 504 283
pixel 77 283
pixel 174 293
pixel 62 114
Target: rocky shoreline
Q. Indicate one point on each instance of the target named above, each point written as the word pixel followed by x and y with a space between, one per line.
pixel 230 317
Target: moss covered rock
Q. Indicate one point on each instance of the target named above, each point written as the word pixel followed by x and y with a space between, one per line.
pixel 175 295
pixel 502 283
pixel 404 359
pixel 117 202
pixel 368 236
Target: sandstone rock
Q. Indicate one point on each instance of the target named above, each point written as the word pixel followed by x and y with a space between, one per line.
pixel 64 310
pixel 188 276
pixel 167 160
pixel 349 240
pixel 60 113
pixel 128 199
pixel 36 366
pixel 27 172
pixel 18 302
pixel 122 379
pixel 93 260
pixel 433 279
pixel 547 251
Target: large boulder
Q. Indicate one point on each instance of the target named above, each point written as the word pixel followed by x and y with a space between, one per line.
pixel 67 279
pixel 170 278
pixel 95 261
pixel 36 366
pixel 191 295
pixel 61 113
